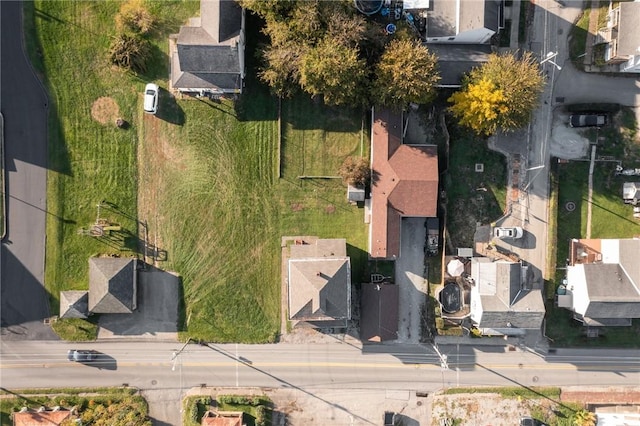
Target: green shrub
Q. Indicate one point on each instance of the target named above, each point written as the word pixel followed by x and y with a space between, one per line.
pixel 131 52
pixel 134 17
pixel 253 401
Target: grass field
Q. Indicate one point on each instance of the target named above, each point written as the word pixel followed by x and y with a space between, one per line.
pixel 200 180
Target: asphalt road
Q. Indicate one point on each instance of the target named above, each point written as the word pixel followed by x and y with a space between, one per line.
pixel 24 104
pixel 309 368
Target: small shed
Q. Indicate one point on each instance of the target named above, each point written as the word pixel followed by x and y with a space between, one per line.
pixel 355 193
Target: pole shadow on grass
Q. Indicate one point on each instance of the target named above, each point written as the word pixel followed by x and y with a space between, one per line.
pixel 283 382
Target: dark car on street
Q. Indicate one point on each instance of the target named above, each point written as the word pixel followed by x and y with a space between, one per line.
pixel 588 120
pixel 81 355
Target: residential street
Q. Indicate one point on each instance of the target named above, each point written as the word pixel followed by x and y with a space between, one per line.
pixel 384 373
pixel 24 105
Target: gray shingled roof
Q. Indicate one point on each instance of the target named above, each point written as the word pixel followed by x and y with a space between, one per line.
pixel 320 281
pixel 74 304
pixel 469 15
pixel 208 56
pixel 612 294
pixel 505 303
pixel 112 285
pixel 612 288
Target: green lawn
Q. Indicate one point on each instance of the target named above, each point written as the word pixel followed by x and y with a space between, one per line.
pixel 208 187
pixel 89 161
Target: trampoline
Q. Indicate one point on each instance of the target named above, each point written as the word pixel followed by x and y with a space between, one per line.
pixel 450 297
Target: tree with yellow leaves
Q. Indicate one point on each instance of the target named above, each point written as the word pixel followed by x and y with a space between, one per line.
pixel 499 95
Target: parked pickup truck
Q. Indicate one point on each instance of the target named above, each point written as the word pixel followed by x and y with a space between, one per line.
pixel 433 236
pixel 587 120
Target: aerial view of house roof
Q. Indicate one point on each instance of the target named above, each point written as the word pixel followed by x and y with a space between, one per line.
pixel 456 60
pixel 41 418
pixel 209 53
pixel 379 312
pixel 449 18
pixel 501 299
pixel 112 285
pixel 404 183
pixel 74 304
pixel 319 281
pixel 603 280
pixel 628 34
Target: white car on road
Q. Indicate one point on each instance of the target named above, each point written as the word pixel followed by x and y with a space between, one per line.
pixel 508 232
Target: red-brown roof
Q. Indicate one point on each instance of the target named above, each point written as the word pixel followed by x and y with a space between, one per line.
pixel 404 183
pixel 222 418
pixel 42 418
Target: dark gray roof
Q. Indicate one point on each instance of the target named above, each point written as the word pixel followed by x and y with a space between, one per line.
pixel 527 313
pixel 628 33
pixel 607 291
pixel 208 59
pixel 74 304
pixel 379 312
pixel 456 60
pixel 112 285
pixel 209 56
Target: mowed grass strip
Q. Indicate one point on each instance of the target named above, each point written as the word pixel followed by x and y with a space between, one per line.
pixel 222 210
pixel 88 161
pixel 217 219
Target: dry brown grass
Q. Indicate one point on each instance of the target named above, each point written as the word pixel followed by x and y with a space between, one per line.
pixel 105 110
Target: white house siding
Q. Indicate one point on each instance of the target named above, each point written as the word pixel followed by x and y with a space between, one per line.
pixel 578 288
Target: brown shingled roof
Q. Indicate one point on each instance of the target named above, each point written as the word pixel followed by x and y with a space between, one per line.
pixel 404 184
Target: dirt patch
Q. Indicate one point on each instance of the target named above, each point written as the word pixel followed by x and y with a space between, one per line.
pixel 330 209
pixel 105 110
pixel 297 207
pixel 472 409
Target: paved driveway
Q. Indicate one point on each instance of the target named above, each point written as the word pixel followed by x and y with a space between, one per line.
pixel 24 301
pixel 156 317
pixel 410 278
